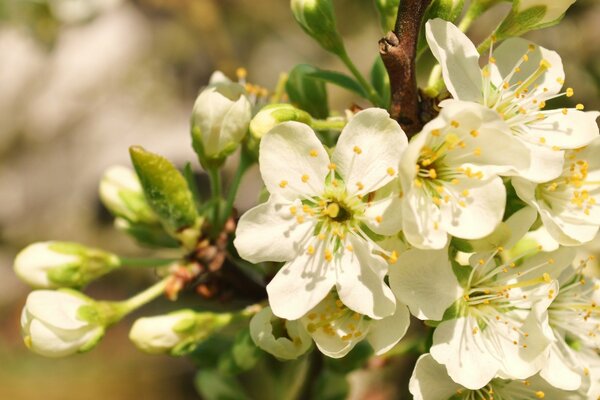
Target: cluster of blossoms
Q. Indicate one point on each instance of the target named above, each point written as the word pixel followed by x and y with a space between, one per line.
pixel 510 318
pixel 472 225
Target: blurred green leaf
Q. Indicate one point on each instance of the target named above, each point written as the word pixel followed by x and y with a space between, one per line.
pixel 388 10
pixel 381 81
pixel 306 92
pixel 341 80
pixel 331 386
pixel 243 355
pixel 212 385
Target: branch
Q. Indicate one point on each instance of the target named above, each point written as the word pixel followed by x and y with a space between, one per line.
pixel 398 51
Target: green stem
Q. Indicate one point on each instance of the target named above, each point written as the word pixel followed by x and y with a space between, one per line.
pixel 144 297
pixel 370 91
pixel 145 262
pixel 326 124
pixel 215 189
pixel 245 163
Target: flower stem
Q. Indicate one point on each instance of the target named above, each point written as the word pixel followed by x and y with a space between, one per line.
pixel 245 163
pixel 326 124
pixel 369 90
pixel 144 297
pixel 215 189
pixel 145 262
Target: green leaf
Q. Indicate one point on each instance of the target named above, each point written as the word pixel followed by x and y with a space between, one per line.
pixel 243 355
pixel 331 386
pixel 212 385
pixel 341 80
pixel 306 92
pixel 147 235
pixel 381 81
pixel 517 23
pixel 188 174
pixel 166 190
pixel 388 9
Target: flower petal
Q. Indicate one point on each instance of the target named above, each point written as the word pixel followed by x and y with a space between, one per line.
pixel 369 150
pixel 481 210
pixel 421 222
pixel 293 162
pixel 360 282
pixel 57 309
pixel 458 58
pixel 269 223
pixel 424 280
pixel 385 333
pixel 558 370
pixel 300 285
pixel 430 381
pixel 572 130
pixel 382 216
pixel 511 52
pixel 459 345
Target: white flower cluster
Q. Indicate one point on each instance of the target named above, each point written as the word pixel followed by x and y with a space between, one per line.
pixel 369 232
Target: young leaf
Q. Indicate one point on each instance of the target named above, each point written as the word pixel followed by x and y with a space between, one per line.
pixel 341 80
pixel 381 81
pixel 306 92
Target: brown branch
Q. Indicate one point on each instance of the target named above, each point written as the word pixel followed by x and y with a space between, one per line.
pixel 398 51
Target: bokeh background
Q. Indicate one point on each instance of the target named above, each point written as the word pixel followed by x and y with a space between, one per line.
pixel 81 80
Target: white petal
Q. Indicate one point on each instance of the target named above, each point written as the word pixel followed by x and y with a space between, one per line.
pixel 546 164
pixel 269 232
pixel 571 131
pixel 261 331
pixel 558 370
pixel 360 282
pixel 385 333
pixel 57 309
pixel 482 211
pixel 46 342
pixel 383 216
pixel 512 50
pixel 430 381
pixel 300 285
pixel 424 280
pixel 289 152
pixel 421 221
pixel 369 150
pixel 464 353
pixel 458 58
pixel 519 224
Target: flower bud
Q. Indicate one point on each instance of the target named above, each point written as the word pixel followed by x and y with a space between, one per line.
pixel 220 120
pixel 53 323
pixel 553 9
pixel 169 195
pixel 274 114
pixel 388 10
pixel 284 339
pixel 176 333
pixel 317 18
pixel 62 264
pixel 122 194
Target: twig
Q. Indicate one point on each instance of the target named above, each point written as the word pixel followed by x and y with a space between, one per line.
pixel 398 51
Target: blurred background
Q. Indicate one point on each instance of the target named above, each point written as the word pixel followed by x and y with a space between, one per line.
pixel 82 80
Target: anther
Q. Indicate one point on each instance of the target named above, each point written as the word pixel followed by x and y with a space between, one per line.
pixel 283 184
pixel 357 150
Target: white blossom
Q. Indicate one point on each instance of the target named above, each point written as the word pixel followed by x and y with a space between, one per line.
pixel 517 81
pixel 430 381
pixel 449 175
pixel 336 329
pixel 160 334
pixel 568 204
pixel 286 340
pixel 318 219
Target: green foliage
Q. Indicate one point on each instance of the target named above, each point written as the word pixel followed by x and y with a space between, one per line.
pixel 387 13
pixel 341 80
pixel 307 92
pixel 381 81
pixel 331 385
pixel 317 18
pixel 449 10
pixel 213 385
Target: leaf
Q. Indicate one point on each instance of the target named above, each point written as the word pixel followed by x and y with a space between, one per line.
pixel 331 386
pixel 381 81
pixel 212 385
pixel 341 80
pixel 166 190
pixel 306 92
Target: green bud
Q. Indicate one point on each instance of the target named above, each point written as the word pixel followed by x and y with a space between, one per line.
pixel 220 121
pixel 176 333
pixel 448 10
pixel 317 18
pixel 307 92
pixel 62 264
pixel 388 10
pixel 168 194
pixel 273 114
pixel 151 235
